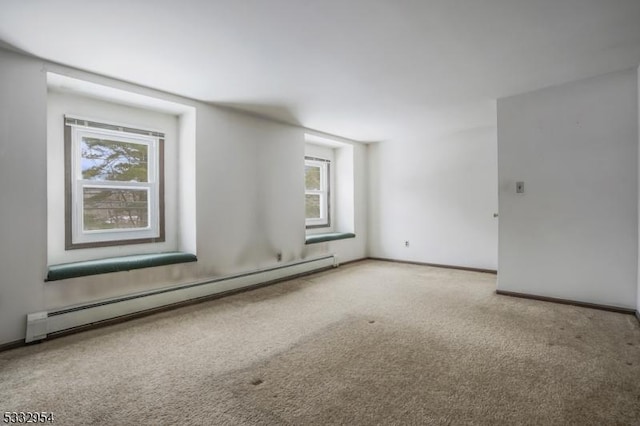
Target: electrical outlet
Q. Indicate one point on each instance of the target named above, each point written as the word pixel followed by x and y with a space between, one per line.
pixel 279 257
pixel 406 243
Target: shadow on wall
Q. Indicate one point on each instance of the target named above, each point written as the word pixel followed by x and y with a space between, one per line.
pixel 281 113
pixel 11 47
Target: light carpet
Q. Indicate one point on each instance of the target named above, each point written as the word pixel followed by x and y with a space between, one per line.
pixel 368 343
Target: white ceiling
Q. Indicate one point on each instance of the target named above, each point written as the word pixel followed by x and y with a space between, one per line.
pixel 363 69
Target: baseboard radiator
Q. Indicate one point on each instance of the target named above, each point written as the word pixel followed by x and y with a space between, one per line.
pixel 41 324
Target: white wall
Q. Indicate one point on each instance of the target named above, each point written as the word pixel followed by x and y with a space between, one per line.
pixel 573 234
pixel 23 191
pixel 439 193
pixel 187 222
pixel 344 190
pixel 249 196
pixel 638 129
pixel 250 192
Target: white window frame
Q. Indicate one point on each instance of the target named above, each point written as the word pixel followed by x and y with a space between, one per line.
pixel 324 221
pixel 81 238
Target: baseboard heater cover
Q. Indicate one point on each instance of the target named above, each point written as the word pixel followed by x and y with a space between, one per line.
pixel 41 324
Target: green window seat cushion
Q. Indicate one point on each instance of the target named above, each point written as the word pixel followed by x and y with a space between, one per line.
pixel 116 264
pixel 321 238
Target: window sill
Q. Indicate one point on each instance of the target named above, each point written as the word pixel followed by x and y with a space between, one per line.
pixel 321 238
pixel 116 264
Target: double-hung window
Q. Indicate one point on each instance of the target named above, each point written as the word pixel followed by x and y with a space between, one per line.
pixel 114 178
pixel 317 211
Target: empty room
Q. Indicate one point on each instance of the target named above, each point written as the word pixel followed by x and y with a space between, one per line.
pixel 296 212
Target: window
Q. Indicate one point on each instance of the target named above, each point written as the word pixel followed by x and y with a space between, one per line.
pixel 317 192
pixel 114 184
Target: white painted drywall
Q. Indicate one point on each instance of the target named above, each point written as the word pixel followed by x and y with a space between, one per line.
pixel 638 130
pixel 344 189
pixel 23 191
pixel 439 193
pixel 248 195
pixel 60 104
pixel 187 222
pixel 573 234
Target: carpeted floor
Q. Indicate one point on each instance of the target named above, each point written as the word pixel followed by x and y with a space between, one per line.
pixel 367 343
